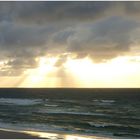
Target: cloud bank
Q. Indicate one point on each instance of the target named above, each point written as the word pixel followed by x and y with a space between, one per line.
pixel 99 30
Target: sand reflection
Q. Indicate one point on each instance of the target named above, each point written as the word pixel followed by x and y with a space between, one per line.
pixel 56 136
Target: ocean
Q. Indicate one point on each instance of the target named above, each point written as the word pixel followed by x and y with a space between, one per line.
pixel 107 112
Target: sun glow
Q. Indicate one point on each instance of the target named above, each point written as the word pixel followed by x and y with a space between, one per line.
pixel 119 72
pixel 115 72
pixel 39 77
pixel 46 65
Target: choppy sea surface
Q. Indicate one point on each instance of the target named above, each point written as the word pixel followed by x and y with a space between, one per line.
pixel 108 115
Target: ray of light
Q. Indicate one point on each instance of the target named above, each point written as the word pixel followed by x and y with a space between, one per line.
pixel 119 72
pixel 39 77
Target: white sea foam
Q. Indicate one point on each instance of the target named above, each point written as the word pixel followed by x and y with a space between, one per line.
pixel 59 111
pixel 51 105
pixel 19 101
pixel 103 102
pixel 108 101
pixel 96 125
pixel 104 124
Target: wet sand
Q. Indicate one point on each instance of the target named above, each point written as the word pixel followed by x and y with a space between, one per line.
pixel 16 135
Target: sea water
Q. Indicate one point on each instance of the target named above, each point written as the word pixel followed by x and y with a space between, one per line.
pixel 94 113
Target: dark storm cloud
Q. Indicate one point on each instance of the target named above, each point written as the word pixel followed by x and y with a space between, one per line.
pixel 104 40
pixel 132 8
pixel 46 12
pixel 100 30
pixel 43 12
pixel 21 44
pixel 14 35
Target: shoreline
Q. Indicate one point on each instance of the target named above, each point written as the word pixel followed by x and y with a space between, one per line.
pixel 13 134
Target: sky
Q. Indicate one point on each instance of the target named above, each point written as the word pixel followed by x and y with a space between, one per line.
pixel 93 44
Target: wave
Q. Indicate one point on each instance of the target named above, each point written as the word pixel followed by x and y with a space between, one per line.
pixel 51 105
pixel 103 124
pixel 57 111
pixel 115 126
pixel 15 101
pixel 66 100
pixel 54 134
pixel 106 101
pixel 103 102
pixel 28 126
pixel 130 135
pixel 69 129
pixel 42 127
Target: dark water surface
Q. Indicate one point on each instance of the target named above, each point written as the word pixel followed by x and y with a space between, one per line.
pixel 109 112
